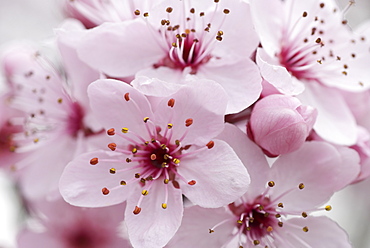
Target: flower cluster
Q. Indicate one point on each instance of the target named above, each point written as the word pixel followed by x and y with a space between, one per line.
pixel 179 123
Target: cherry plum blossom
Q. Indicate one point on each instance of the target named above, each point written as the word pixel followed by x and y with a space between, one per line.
pixel 158 152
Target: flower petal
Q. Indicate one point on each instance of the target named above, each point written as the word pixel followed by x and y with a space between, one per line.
pixel 220 176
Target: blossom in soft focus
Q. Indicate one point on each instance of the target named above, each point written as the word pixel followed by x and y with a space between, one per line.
pixel 159 151
pixel 280 124
pixel 178 38
pixel 308 49
pixel 277 209
pixel 54 127
pixel 60 225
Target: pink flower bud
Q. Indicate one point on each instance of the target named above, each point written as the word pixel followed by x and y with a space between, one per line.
pixel 279 124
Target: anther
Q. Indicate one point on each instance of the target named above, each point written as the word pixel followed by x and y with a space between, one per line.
pixel 137 175
pixel 177 142
pixel 166 181
pixel 219 38
pixel 163 146
pixel 124 130
pixel 226 11
pixel 128 160
pixel 322 5
pixel 277 215
pixel 112 146
pixel 280 224
pixel 111 132
pixel 201 14
pixel 137 210
pixel 192 10
pixel 171 102
pixel 188 122
pixel 134 150
pixel 60 100
pixel 112 171
pixel 146 119
pixel 192 182
pixel 304 14
pixel 304 215
pixel 169 9
pixel 210 144
pixel 328 208
pixel 137 12
pixel 105 191
pixel 169 125
pixel 239 221
pixel 344 73
pixel 305 229
pixel 301 186
pixel 127 96
pixel 211 231
pixel 271 184
pixel 318 40
pixel 145 192
pixel 269 229
pixel 176 160
pixel 123 183
pixel 280 205
pixel 36 140
pixel 94 161
pixel 164 205
pixel 256 242
pixel 146 14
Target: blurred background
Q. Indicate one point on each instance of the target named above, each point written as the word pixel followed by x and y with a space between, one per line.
pixel 35 20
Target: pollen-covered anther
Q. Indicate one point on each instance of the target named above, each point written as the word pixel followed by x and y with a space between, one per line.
pixel 271 184
pixel 112 146
pixel 305 229
pixel 269 229
pixel 146 119
pixel 176 160
pixel 164 205
pixel 301 186
pixel 280 224
pixel 127 96
pixel 188 122
pixel 239 221
pixel 169 125
pixel 137 175
pixel 166 181
pixel 105 191
pixel 210 144
pixel 171 102
pixel 111 132
pixel 146 14
pixel 94 161
pixel 128 160
pixel 256 242
pixel 328 208
pixel 137 210
pixel 344 73
pixel 123 183
pixel 192 182
pixel 280 205
pixel 304 215
pixel 134 150
pixel 137 12
pixel 124 130
pixel 145 192
pixel 36 140
pixel 112 171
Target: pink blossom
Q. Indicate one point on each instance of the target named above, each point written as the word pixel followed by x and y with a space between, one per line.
pixel 307 47
pixel 178 38
pixel 61 225
pixel 158 152
pixel 55 127
pixel 277 209
pixel 280 124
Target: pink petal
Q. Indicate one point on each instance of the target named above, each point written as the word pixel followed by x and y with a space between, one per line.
pixel 81 183
pixel 239 77
pixel 322 233
pixel 120 49
pixel 154 226
pixel 201 100
pixel 322 169
pixel 107 99
pixel 29 239
pixel 194 230
pixel 335 122
pixel 251 156
pixel 220 176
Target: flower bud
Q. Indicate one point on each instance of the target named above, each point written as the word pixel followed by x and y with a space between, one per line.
pixel 280 124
